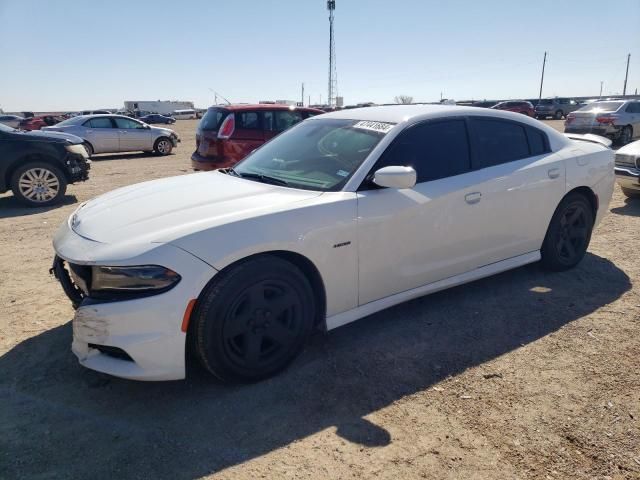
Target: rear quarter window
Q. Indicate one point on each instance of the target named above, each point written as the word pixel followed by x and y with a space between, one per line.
pixel 247 120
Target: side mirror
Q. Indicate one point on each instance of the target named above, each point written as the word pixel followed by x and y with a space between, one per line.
pixel 395 177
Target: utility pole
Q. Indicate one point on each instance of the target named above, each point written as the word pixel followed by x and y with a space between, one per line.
pixel 308 104
pixel 626 75
pixel 333 80
pixel 544 61
pixel 302 97
pixel 601 82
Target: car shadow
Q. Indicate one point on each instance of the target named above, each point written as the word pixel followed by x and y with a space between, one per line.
pixel 59 417
pixel 631 208
pixel 11 207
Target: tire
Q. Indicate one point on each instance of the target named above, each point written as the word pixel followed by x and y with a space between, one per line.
pixel 89 148
pixel 163 146
pixel 626 135
pixel 252 321
pixel 568 234
pixel 558 115
pixel 630 193
pixel 38 184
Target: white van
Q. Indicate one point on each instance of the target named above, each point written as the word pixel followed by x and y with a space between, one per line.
pixel 187 114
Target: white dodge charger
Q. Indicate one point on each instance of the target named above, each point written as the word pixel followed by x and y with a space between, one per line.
pixel 343 215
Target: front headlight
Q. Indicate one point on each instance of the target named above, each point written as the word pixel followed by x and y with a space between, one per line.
pixel 78 149
pixel 131 281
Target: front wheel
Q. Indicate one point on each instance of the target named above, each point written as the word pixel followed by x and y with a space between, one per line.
pixel 253 320
pixel 163 146
pixel 568 234
pixel 38 184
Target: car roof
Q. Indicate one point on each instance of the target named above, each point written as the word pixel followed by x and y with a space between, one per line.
pixel 404 114
pixel 263 106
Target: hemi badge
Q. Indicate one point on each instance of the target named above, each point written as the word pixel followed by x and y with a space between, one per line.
pixel 343 244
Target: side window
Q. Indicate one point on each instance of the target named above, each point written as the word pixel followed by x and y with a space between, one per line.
pixel 247 120
pixel 101 122
pixel 633 107
pixel 434 149
pixel 127 123
pixel 538 142
pixel 498 142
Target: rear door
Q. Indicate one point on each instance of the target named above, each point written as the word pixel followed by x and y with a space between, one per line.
pixel 247 136
pixel 101 133
pixel 133 135
pixel 519 183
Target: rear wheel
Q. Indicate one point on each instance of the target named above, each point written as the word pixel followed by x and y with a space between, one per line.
pixel 253 320
pixel 558 115
pixel 568 234
pixel 631 193
pixel 38 184
pixel 163 146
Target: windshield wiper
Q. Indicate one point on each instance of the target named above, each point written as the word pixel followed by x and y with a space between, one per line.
pixel 262 178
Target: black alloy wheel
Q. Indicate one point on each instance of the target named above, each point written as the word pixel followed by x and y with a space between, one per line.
pixel 568 234
pixel 253 320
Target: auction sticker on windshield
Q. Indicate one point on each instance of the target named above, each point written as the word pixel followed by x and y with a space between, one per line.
pixel 381 127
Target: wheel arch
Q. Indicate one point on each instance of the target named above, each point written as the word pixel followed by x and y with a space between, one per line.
pixel 305 265
pixel 32 157
pixel 589 194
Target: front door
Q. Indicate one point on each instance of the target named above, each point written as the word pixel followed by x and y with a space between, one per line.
pixel 409 238
pixel 133 135
pixel 101 133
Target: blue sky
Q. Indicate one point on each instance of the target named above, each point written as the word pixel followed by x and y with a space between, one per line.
pixel 75 54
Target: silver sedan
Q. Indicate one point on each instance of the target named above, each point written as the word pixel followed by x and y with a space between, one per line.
pixel 117 133
pixel 617 119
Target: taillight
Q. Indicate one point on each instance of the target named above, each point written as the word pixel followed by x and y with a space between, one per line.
pixel 227 127
pixel 570 118
pixel 606 119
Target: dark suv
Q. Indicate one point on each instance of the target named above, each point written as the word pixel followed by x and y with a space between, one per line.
pixel 556 107
pixel 226 135
pixel 37 166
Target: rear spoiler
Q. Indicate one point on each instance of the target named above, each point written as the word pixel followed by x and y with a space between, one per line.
pixel 589 137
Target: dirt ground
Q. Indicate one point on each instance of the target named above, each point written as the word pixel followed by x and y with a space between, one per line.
pixel 523 375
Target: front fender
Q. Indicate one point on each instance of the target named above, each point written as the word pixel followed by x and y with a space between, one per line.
pixel 324 231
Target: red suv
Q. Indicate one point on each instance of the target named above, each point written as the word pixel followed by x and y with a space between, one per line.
pixel 227 134
pixel 517 106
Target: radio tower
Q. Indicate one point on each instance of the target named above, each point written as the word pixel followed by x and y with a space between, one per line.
pixel 333 78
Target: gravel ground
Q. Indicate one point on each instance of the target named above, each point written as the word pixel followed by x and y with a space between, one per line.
pixel 523 375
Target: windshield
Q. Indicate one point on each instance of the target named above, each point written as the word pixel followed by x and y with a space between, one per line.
pixel 602 106
pixel 212 119
pixel 5 128
pixel 317 154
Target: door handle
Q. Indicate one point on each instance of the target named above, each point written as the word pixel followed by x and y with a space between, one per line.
pixel 472 198
pixel 554 172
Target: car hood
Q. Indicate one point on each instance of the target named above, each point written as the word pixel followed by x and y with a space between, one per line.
pixel 166 209
pixel 631 149
pixel 55 136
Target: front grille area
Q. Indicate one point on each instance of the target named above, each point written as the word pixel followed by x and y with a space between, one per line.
pixel 623 160
pixel 72 290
